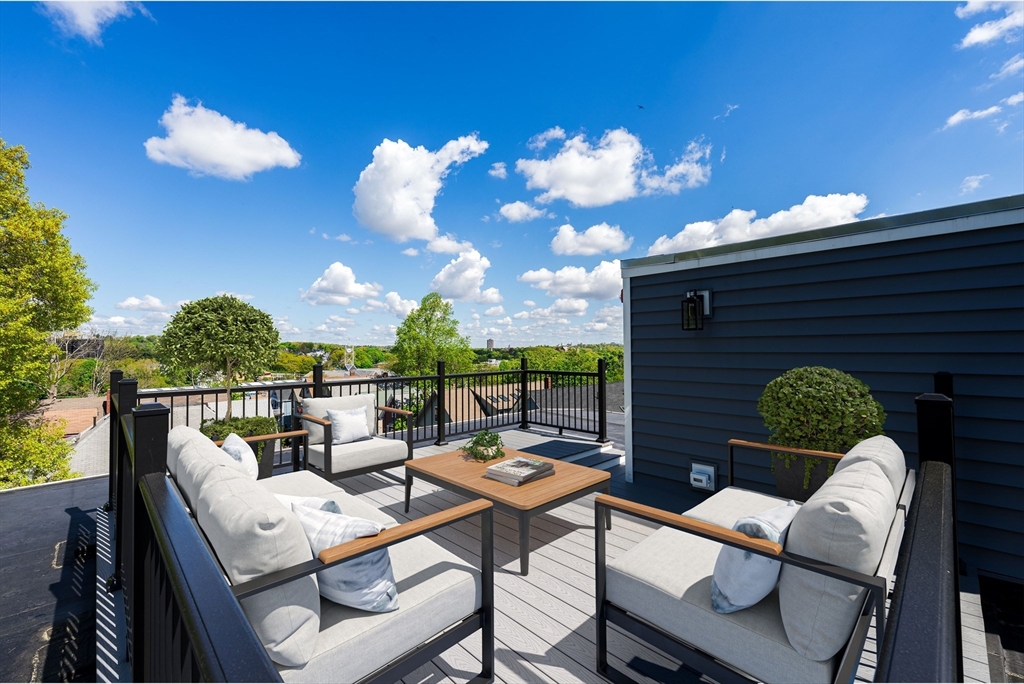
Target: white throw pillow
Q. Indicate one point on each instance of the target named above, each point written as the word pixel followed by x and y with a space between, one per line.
pixel 310 502
pixel 743 578
pixel 348 425
pixel 236 447
pixel 845 523
pixel 367 582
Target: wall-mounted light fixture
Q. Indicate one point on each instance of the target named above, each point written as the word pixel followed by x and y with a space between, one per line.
pixel 696 307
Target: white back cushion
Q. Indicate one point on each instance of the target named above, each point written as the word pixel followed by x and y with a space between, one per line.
pixel 884 453
pixel 844 523
pixel 318 407
pixel 197 457
pixel 253 534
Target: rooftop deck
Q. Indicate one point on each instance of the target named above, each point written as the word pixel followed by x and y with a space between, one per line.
pixel 59 623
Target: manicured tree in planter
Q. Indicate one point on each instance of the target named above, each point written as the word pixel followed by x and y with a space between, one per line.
pixel 222 333
pixel 816 408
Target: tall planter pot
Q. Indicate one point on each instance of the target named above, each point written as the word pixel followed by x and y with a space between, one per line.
pixel 791 474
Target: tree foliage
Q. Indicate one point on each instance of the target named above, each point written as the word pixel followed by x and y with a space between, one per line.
pixel 430 334
pixel 221 333
pixel 43 291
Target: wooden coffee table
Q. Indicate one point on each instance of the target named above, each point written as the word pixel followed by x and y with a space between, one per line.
pixel 457 472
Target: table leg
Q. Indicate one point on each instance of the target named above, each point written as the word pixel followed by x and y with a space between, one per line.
pixel 408 488
pixel 524 543
pixel 608 511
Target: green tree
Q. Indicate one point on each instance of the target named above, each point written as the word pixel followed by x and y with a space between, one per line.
pixel 43 291
pixel 297 364
pixel 430 334
pixel 221 333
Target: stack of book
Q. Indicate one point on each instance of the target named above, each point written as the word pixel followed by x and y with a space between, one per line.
pixel 520 470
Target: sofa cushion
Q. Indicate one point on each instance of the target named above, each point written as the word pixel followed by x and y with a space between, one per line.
pixel 732 503
pixel 666 580
pixel 318 407
pixel 742 578
pixel 884 453
pixel 437 589
pixel 305 483
pixel 196 458
pixel 236 447
pixel 845 523
pixel 366 582
pixel 253 534
pixel 363 454
pixel 311 501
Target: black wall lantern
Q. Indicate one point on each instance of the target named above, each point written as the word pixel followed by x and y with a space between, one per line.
pixel 696 307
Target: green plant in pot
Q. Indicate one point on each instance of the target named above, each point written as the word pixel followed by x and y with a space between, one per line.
pixel 818 408
pixel 244 427
pixel 485 446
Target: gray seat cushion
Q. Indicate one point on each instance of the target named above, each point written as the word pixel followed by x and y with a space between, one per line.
pixel 365 453
pixel 318 407
pixel 666 580
pixel 732 503
pixel 305 483
pixel 435 590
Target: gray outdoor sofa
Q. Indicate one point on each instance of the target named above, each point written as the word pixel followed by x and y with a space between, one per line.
pixel 837 568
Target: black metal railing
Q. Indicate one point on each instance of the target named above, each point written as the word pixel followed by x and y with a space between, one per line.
pixel 444 404
pixel 183 622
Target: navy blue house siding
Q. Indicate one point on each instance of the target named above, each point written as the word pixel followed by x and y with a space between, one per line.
pixel 891 314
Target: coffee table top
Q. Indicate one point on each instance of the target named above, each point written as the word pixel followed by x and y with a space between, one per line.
pixel 460 470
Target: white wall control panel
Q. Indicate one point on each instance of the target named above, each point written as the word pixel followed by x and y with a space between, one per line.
pixel 702 476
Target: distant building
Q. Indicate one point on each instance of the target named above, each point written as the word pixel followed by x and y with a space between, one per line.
pixel 490 344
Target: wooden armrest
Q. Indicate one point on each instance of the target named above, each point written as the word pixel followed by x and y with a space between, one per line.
pixel 681 522
pixel 315 419
pixel 263 438
pixel 391 409
pixel 784 449
pixel 403 531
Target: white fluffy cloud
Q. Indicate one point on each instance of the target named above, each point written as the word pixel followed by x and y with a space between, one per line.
pixel 616 168
pixel 495 311
pixel 208 143
pixel 1012 66
pixel 540 141
pixel 816 211
pixel 395 193
pixel 967 115
pixel 607 319
pixel 972 183
pixel 411 252
pixel 529 302
pixel 88 19
pixel 1014 99
pixel 498 170
pixel 394 303
pixel 558 313
pixel 462 279
pixel 517 212
pixel 285 327
pixel 338 286
pixel 1007 28
pixel 604 282
pixel 147 303
pixel 151 323
pixel 448 244
pixel 335 326
pixel 594 240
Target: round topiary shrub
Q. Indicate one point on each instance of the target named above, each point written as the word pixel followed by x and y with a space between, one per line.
pixel 818 408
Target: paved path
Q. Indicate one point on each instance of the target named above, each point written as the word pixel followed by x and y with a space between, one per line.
pixel 92 450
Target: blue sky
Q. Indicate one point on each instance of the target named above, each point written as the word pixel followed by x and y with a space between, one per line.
pixel 333 163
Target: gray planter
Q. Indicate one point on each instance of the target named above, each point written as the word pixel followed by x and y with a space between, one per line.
pixel 789 482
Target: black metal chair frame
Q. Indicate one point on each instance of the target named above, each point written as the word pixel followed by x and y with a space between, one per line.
pixel 327 471
pixel 693 658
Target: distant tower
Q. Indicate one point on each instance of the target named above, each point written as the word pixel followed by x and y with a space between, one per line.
pixel 490 344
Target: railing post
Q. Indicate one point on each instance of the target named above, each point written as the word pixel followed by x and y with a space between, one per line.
pixel 318 380
pixel 115 377
pixel 150 423
pixel 441 439
pixel 125 392
pixel 602 398
pixel 524 394
pixel 936 442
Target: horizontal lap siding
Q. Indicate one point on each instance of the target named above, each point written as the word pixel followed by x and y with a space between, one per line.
pixel 891 315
